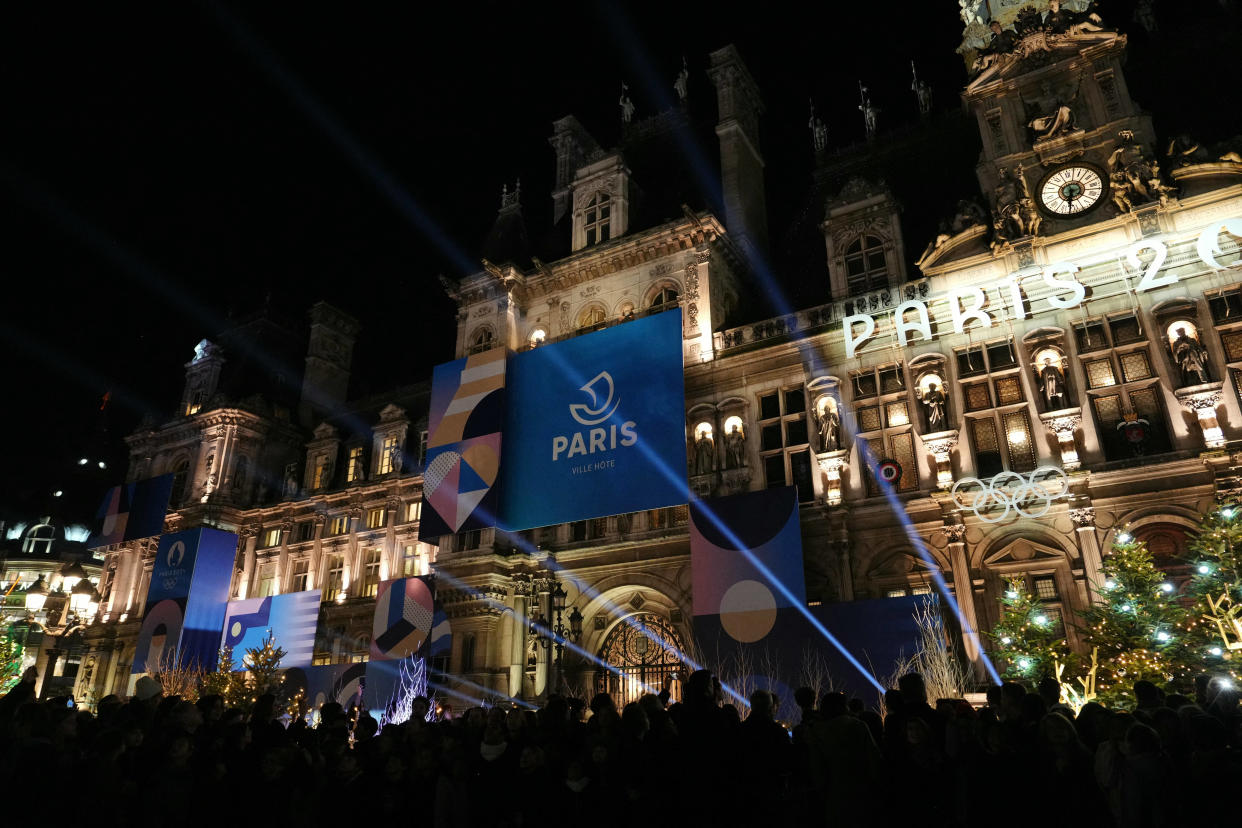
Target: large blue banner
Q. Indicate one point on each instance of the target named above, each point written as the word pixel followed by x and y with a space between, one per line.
pixel 291 620
pixel 186 601
pixel 595 426
pixel 131 511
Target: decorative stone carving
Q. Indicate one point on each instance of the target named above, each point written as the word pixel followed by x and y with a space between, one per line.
pixel 1013 209
pixel 1134 176
pixel 1063 424
pixel 830 463
pixel 1202 401
pixel 1083 517
pixel 955 532
pixel 939 445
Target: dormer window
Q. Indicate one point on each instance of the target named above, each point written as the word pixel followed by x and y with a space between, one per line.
pixel 592 318
pixel 865 266
pixel 597 219
pixel 353 471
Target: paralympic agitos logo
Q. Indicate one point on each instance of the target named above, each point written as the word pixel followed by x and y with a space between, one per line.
pixel 603 404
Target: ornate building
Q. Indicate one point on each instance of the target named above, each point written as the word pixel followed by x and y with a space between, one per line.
pixel 1056 365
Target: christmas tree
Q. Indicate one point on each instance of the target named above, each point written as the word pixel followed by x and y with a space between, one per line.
pixel 1212 629
pixel 1030 641
pixel 226 682
pixel 10 661
pixel 1136 623
pixel 263 665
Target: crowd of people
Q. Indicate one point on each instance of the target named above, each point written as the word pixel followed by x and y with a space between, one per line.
pixel 1024 758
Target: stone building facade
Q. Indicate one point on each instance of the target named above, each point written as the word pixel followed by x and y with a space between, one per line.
pixel 1061 361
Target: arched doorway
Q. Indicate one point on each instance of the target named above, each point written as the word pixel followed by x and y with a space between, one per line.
pixel 644 649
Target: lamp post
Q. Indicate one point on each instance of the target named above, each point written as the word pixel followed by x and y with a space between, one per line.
pixel 78 611
pixel 573 631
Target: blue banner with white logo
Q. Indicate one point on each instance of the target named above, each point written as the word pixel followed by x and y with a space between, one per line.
pixel 595 426
pixel 186 601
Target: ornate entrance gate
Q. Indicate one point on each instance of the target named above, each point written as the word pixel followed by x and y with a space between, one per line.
pixel 644 650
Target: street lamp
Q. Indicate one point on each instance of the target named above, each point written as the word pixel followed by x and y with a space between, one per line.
pixel 80 596
pixel 36 596
pixel 71 574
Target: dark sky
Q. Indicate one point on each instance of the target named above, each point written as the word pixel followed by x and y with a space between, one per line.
pixel 165 164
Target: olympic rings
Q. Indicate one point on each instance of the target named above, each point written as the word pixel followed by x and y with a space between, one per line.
pixel 1011 490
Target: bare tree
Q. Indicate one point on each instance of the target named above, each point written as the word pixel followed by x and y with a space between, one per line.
pixel 944 674
pixel 177 678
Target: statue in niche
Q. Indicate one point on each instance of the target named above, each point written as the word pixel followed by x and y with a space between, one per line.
pixel 1191 357
pixel 1052 384
pixel 735 448
pixel 931 395
pixel 829 425
pixel 1058 118
pixel 704 453
pixel 682 85
pixel 396 460
pixel 291 480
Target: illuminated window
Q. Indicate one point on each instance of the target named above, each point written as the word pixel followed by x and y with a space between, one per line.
pixel 415 560
pixel 598 219
pixel 482 340
pixel 413 510
pixel 319 479
pixel 1124 397
pixel 784 442
pixel 885 422
pixel 353 471
pixel 375 518
pixel 334 579
pixel 272 537
pixel 339 525
pixel 865 266
pixel 370 573
pixel 195 403
pixel 38 540
pixel 592 318
pixel 537 337
pixel 299 575
pixel 266 580
pixel 388 454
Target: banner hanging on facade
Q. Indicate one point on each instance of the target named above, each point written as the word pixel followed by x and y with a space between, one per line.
pixel 131 511
pixel 595 426
pixel 463 445
pixel 290 619
pixel 186 601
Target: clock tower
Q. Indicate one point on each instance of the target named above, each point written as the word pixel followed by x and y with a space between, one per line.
pixel 1063 143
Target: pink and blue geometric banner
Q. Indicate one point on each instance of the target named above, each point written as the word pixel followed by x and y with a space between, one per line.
pixel 290 619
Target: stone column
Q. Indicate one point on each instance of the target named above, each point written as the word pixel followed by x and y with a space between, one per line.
pixel 1063 424
pixel 963 590
pixel 1088 547
pixel 1202 400
pixel 939 445
pixel 830 463
pixel 517 644
pixel 250 535
pixel 543 662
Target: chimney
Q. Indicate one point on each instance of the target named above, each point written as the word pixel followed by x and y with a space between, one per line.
pixel 329 354
pixel 741 162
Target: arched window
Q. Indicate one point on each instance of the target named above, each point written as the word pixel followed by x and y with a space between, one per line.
pixel 592 317
pixel 482 340
pixel 597 220
pixel 865 266
pixel 39 539
pixel 181 473
pixel 537 337
pixel 663 300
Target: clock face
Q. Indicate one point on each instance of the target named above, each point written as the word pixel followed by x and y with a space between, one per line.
pixel 1071 190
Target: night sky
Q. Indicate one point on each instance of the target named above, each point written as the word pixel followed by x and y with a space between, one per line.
pixel 164 165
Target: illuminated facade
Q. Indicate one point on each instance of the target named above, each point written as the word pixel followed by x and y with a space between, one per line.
pixel 1056 365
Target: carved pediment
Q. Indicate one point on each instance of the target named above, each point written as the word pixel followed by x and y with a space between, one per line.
pixel 1038 50
pixel 325 431
pixel 1021 551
